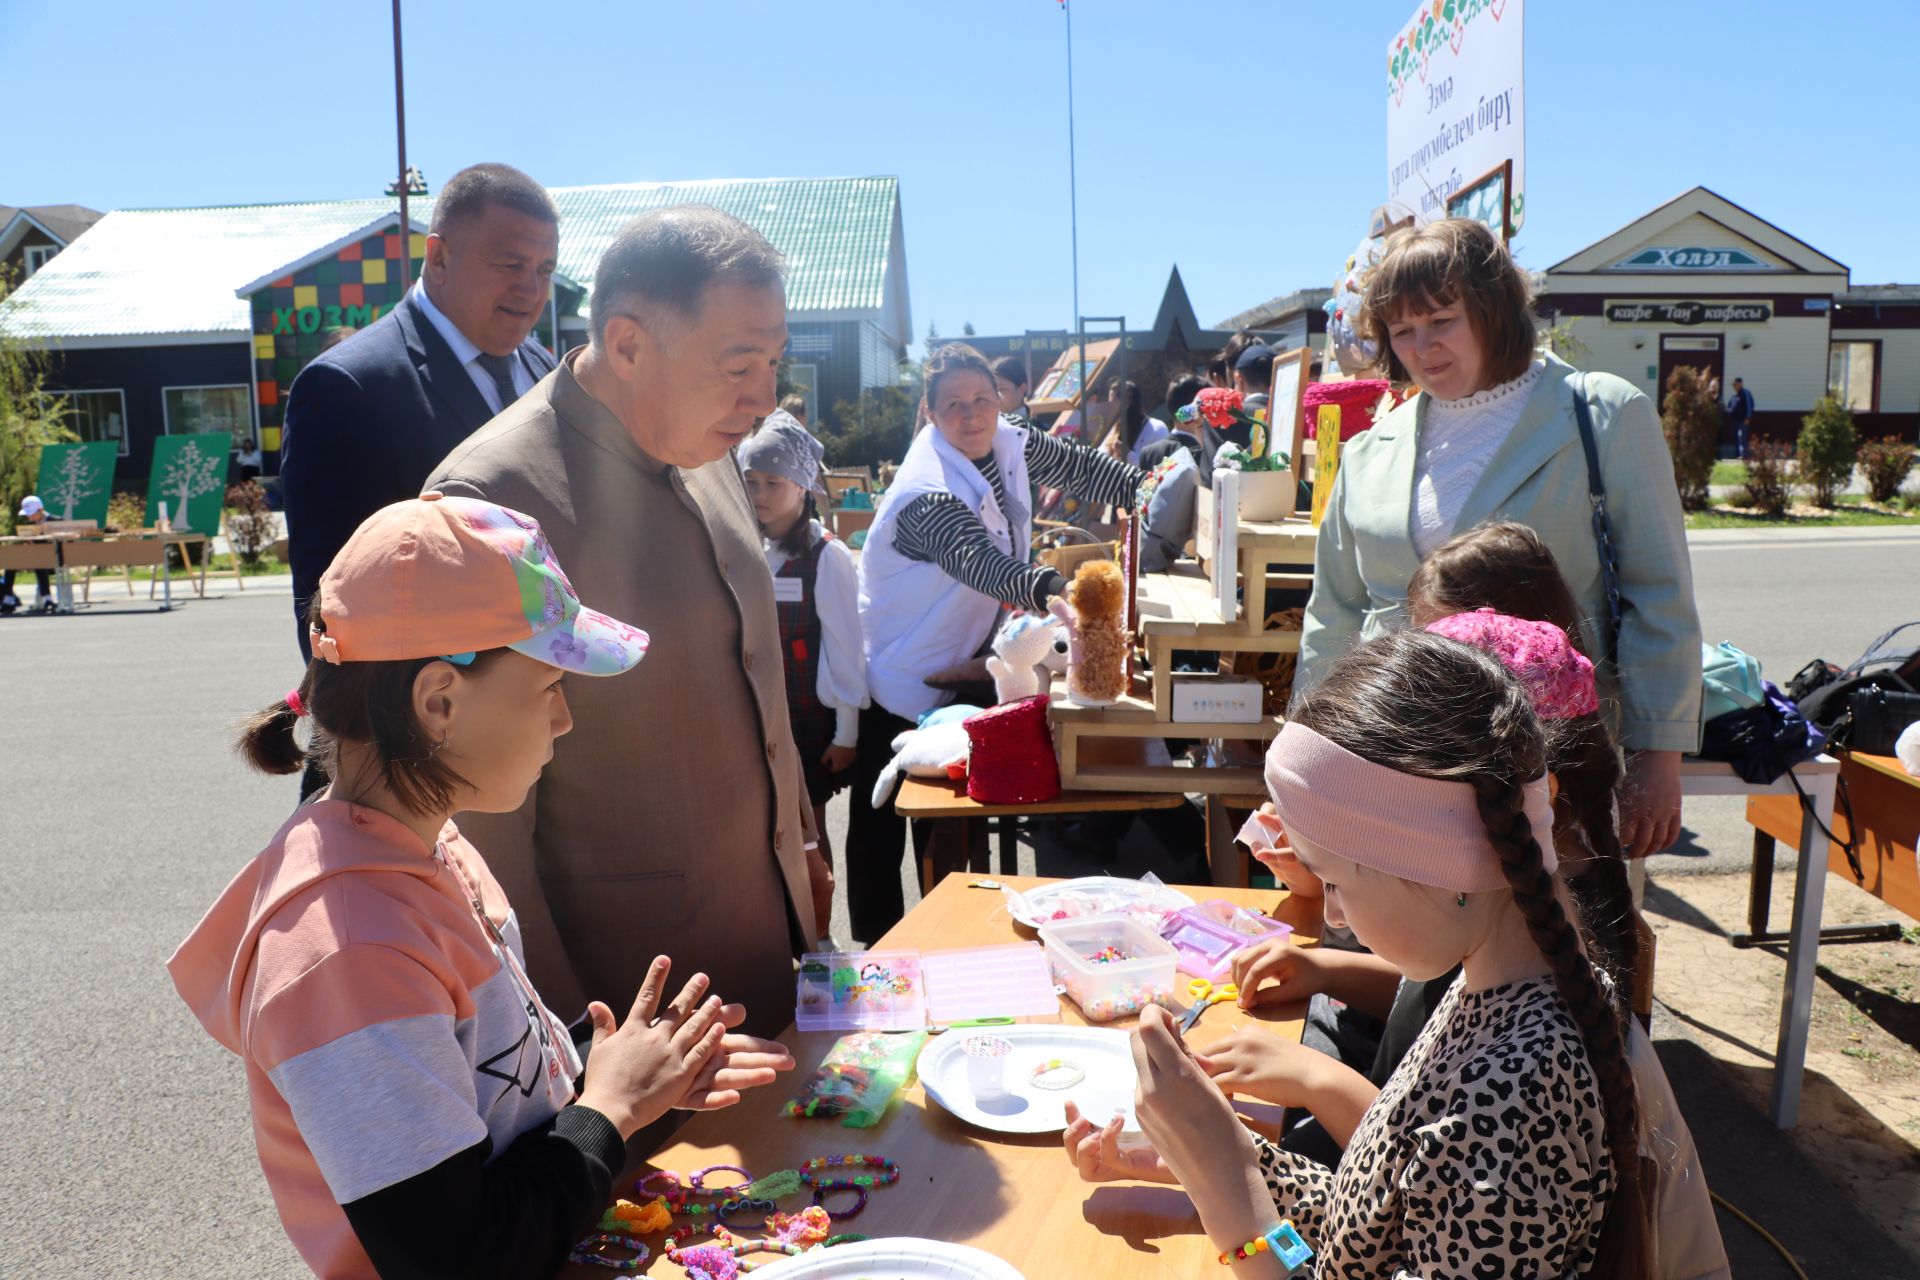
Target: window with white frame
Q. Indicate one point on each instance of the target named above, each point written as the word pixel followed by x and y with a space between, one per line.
pixel 191 410
pixel 94 415
pixel 36 256
pixel 1852 374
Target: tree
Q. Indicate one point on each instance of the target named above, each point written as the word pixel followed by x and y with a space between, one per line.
pixel 1691 421
pixel 73 483
pixel 1827 449
pixel 192 472
pixel 29 417
pixel 876 429
pixel 966 329
pixel 933 337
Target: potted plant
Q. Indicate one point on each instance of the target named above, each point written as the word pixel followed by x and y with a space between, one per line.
pixel 1267 487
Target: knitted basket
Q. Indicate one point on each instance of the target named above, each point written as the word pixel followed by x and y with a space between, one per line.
pixel 1011 760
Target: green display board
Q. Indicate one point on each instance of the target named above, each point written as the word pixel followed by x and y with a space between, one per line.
pixel 76 480
pixel 190 476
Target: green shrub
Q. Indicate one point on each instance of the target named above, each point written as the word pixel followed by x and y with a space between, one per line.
pixel 1827 449
pixel 126 511
pixel 1767 486
pixel 1886 463
pixel 1691 421
pixel 250 524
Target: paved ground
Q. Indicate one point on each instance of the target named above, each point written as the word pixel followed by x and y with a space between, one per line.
pixel 124 1128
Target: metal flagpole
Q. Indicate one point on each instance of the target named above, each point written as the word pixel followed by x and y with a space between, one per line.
pixel 1073 205
pixel 400 117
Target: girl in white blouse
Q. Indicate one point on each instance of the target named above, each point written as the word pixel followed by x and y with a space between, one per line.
pixel 816 593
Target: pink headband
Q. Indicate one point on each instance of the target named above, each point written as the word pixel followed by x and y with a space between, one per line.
pixel 1558 677
pixel 1422 829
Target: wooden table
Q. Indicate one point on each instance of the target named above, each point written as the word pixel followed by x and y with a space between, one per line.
pixel 65 552
pixel 1884 801
pixel 1014 1196
pixel 957 839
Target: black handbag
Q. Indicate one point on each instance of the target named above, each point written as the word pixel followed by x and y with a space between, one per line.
pixel 1876 717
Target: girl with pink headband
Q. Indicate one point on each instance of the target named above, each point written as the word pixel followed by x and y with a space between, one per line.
pixel 1413 782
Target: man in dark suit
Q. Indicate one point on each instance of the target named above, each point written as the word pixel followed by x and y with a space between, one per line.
pixel 368 420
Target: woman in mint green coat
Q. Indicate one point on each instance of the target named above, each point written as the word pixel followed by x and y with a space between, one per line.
pixel 1492 435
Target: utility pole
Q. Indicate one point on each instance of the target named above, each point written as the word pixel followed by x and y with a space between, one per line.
pixel 400 119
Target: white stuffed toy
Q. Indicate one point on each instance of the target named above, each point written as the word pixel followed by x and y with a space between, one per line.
pixel 1027 650
pixel 938 750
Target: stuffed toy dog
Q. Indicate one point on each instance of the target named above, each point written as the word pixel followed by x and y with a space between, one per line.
pixel 1095 614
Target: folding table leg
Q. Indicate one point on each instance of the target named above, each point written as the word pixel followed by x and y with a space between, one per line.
pixel 1803 955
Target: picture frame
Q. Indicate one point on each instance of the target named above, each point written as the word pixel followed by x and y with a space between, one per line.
pixel 1284 398
pixel 1487 199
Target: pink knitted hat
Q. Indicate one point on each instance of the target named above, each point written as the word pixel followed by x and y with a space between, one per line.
pixel 1558 677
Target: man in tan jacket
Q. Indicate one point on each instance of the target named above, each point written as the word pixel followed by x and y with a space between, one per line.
pixel 673 819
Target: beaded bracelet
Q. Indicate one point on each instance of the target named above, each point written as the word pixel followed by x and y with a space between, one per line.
pixel 588 1252
pixel 846 1237
pixel 698 1182
pixel 1057 1073
pixel 860 1183
pixel 1283 1242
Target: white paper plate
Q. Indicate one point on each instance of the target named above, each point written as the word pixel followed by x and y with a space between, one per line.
pixel 1126 892
pixel 1027 1108
pixel 903 1258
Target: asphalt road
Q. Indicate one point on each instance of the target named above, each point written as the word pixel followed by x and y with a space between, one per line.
pixel 124 1128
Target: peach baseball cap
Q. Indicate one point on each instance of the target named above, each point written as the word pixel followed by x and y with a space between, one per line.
pixel 444 577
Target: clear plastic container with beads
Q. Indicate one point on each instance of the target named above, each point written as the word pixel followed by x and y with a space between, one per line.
pixel 1111 966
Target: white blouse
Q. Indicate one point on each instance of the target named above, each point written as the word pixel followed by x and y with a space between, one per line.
pixel 1457 440
pixel 842 682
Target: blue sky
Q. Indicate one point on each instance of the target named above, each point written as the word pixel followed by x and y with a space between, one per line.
pixel 1243 140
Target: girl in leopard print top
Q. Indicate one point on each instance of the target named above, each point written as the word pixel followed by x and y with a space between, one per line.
pixel 1411 781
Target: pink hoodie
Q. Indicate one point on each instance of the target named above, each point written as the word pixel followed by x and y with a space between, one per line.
pixel 384 1028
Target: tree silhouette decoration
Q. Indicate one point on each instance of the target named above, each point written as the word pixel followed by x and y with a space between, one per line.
pixel 74 482
pixel 192 472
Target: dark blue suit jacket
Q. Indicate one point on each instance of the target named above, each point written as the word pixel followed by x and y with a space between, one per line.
pixel 367 422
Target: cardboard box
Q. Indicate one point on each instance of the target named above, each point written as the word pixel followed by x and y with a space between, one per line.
pixel 1201 698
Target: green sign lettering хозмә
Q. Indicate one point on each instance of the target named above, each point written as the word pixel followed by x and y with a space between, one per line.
pixel 292 320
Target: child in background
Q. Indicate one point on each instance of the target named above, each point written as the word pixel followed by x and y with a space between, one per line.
pixel 816 591
pixel 417 1108
pixel 1412 782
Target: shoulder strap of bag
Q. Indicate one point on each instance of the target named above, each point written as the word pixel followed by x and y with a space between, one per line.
pixel 1602 526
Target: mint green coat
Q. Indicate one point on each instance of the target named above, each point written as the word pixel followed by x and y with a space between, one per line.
pixel 1538 477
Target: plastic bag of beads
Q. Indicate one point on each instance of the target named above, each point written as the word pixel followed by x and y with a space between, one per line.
pixel 859 1078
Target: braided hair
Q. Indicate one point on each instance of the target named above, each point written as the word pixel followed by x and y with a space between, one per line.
pixel 1434 708
pixel 1505 566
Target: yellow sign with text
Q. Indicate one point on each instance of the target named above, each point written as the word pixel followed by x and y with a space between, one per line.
pixel 1326 458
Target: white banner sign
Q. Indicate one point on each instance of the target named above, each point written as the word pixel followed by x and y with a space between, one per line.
pixel 1455 103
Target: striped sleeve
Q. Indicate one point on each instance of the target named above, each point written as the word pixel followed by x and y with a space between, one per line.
pixel 1088 474
pixel 938 528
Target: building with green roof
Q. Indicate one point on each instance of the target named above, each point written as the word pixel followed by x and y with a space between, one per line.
pixel 180 320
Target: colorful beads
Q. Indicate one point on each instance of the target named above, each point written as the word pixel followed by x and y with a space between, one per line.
pixel 589 1252
pixel 860 1183
pixel 1108 954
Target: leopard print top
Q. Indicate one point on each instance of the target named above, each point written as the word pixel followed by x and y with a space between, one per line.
pixel 1483 1158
